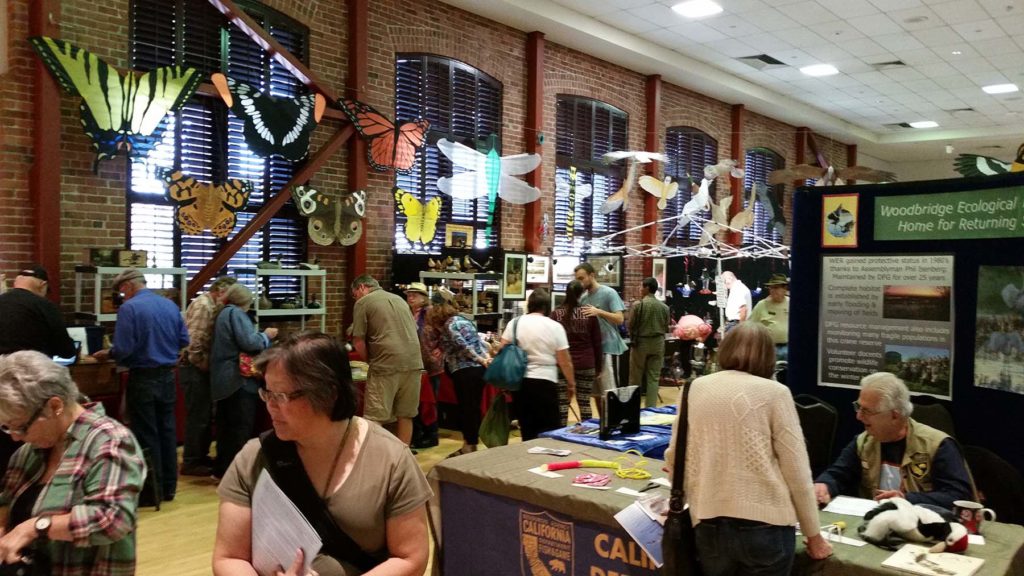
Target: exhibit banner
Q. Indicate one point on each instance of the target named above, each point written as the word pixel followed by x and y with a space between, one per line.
pixel 999 347
pixel 993 213
pixel 891 313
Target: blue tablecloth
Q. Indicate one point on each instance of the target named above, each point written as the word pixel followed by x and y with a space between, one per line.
pixel 587 433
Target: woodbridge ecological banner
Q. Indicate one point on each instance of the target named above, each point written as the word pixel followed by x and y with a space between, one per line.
pixel 995 213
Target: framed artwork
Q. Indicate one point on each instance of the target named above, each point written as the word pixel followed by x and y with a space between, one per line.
pixel 563 268
pixel 537 269
pixel 458 236
pixel 839 216
pixel 658 269
pixel 513 285
pixel 607 268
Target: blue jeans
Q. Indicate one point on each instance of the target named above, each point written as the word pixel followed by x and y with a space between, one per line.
pixel 198 414
pixel 736 547
pixel 150 401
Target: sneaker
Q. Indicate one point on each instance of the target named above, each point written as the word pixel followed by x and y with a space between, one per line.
pixel 196 470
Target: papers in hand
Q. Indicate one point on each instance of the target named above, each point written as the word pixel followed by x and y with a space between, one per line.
pixel 917 560
pixel 645 531
pixel 850 506
pixel 278 530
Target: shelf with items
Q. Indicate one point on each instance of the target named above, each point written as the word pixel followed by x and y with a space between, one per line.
pixel 103 310
pixel 477 295
pixel 305 277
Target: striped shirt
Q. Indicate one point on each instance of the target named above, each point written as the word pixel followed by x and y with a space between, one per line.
pixel 98 483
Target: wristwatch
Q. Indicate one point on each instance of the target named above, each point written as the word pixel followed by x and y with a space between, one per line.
pixel 43 526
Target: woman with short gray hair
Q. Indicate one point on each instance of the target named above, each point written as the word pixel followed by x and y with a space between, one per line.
pixel 70 494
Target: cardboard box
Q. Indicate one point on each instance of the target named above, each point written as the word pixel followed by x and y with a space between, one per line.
pixel 135 258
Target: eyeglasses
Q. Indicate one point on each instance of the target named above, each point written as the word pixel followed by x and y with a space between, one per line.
pixel 862 410
pixel 279 397
pixel 23 429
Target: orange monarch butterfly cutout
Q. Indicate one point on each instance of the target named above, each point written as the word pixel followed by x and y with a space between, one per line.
pixel 390 147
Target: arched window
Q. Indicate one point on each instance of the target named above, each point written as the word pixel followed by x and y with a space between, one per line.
pixel 204 139
pixel 759 163
pixel 463 105
pixel 689 150
pixel 586 130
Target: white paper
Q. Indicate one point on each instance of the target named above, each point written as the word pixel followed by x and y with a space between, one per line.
pixel 279 529
pixel 628 491
pixel 917 560
pixel 976 539
pixel 642 437
pixel 833 537
pixel 663 481
pixel 77 333
pixel 549 451
pixel 850 506
pixel 646 532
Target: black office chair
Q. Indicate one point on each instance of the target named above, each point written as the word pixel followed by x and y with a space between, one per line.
pixel 819 421
pixel 927 410
pixel 1000 485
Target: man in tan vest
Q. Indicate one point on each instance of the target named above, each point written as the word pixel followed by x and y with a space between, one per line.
pixel 896 456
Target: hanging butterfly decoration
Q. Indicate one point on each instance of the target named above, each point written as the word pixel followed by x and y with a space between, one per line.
pixel 488 175
pixel 573 190
pixel 280 126
pixel 620 199
pixel 331 219
pixel 200 206
pixel 390 147
pixel 118 112
pixel 421 219
pixel 663 190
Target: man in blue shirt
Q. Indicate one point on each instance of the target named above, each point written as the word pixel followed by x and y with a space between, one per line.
pixel 149 335
pixel 604 303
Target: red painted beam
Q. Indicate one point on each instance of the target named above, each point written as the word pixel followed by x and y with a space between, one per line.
pixel 851 159
pixel 739 118
pixel 358 77
pixel 801 150
pixel 44 176
pixel 533 129
pixel 269 209
pixel 264 40
pixel 650 234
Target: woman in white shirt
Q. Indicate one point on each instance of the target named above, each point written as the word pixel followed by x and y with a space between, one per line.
pixel 547 351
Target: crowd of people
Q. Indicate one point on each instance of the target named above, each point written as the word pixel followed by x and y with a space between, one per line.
pixel 70 495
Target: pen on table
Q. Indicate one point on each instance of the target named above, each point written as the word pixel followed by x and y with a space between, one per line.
pixel 650 486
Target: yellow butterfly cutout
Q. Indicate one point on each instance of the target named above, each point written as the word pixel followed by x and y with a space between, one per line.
pixel 421 223
pixel 663 190
pixel 202 206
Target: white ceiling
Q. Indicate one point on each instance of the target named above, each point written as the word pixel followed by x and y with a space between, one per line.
pixel 861 104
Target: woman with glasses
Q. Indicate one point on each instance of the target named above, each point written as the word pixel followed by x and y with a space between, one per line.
pixel 359 486
pixel 71 491
pixel 747 477
pixel 233 392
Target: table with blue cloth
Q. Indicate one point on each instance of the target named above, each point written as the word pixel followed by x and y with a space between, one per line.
pixel 587 433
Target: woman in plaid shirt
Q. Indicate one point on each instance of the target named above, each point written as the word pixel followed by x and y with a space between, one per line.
pixel 70 495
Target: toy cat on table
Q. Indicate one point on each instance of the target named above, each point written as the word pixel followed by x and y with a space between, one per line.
pixel 896 520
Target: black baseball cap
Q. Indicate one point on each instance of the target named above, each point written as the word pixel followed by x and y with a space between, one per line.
pixel 35 271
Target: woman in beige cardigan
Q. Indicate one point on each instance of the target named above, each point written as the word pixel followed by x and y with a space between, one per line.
pixel 748 480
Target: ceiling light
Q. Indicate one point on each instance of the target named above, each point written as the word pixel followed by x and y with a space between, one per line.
pixel 1000 88
pixel 924 124
pixel 820 70
pixel 697 8
pixel 956 52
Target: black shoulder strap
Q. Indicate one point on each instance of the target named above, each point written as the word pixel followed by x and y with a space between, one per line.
pixel 677 499
pixel 282 462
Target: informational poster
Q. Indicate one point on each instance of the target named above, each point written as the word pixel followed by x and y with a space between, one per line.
pixel 887 313
pixel 999 347
pixel 994 213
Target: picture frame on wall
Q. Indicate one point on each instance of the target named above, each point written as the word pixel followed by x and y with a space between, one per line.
pixel 563 269
pixel 659 267
pixel 513 283
pixel 537 269
pixel 607 268
pixel 458 236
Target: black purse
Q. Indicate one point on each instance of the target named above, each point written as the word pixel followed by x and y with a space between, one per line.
pixel 679 543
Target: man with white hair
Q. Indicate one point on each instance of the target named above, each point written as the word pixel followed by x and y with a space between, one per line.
pixel 739 303
pixel 896 456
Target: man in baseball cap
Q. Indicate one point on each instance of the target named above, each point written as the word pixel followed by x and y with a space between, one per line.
pixel 773 312
pixel 28 321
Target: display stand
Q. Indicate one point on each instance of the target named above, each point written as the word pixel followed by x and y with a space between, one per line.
pixel 301 312
pixel 92 277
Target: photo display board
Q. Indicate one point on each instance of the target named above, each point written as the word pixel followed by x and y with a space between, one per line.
pixel 887 312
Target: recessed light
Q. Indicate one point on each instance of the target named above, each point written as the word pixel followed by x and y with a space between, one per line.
pixel 1000 88
pixel 820 70
pixel 697 8
pixel 956 52
pixel 924 124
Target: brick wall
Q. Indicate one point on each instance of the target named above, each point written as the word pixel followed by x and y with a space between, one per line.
pixel 93 206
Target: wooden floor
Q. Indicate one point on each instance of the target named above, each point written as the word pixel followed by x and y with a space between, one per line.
pixel 178 540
